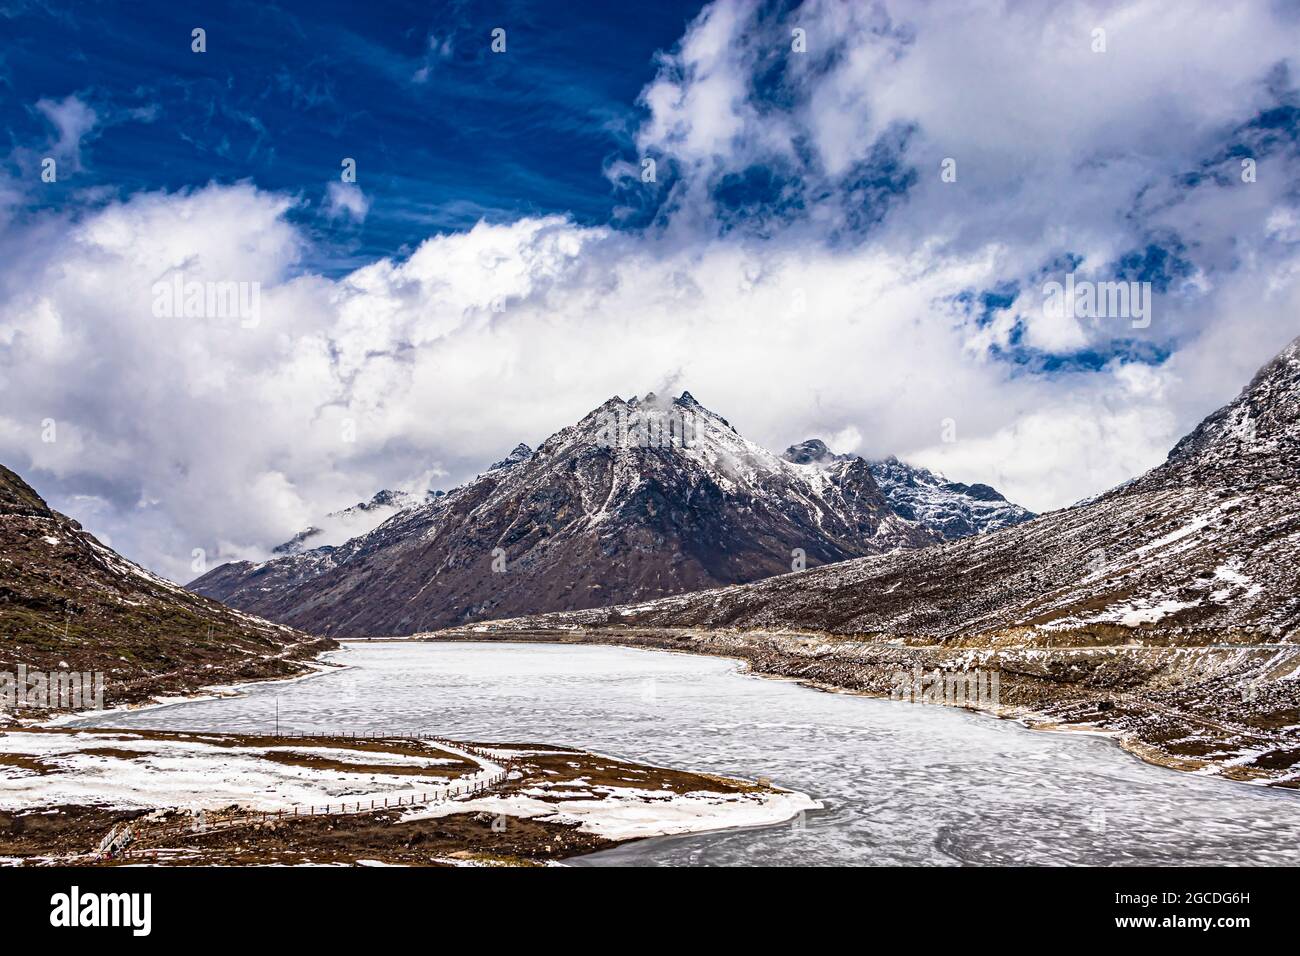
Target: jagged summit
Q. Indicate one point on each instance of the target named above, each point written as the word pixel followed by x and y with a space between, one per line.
pixel 654 399
pixel 808 452
pixel 955 509
pixel 517 454
pixel 385 499
pixel 338 526
pixel 952 509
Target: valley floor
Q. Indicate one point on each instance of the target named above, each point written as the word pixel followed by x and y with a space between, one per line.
pixel 1217 705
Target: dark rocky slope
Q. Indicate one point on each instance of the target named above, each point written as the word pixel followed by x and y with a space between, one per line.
pixel 69 602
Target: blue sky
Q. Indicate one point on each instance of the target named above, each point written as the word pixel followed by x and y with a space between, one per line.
pixel 801 262
pixel 444 131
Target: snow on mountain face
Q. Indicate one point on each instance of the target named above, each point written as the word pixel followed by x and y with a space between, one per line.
pixel 953 509
pixel 1208 542
pixel 639 499
pixel 1255 438
pixel 340 526
pixel 521 451
pixel 950 508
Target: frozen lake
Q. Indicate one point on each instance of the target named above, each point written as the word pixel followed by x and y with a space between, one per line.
pixel 902 783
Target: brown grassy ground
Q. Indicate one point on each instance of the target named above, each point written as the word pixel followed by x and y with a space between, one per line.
pixel 67 601
pixel 382 837
pixel 541 771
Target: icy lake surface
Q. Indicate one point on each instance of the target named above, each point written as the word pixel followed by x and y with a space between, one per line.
pixel 902 783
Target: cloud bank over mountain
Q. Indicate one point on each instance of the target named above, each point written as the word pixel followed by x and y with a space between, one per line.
pixel 800 263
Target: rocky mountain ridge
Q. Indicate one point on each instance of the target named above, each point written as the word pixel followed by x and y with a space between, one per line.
pixel 641 498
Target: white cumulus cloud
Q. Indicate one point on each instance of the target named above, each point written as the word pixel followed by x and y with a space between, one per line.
pixel 177 434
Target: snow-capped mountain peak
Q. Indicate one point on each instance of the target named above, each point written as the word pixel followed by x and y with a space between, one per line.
pixel 808 452
pixel 950 508
pixel 955 509
pixel 640 498
pixel 519 453
pixel 340 526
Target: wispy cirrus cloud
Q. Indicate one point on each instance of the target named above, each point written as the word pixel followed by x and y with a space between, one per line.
pixel 72 120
